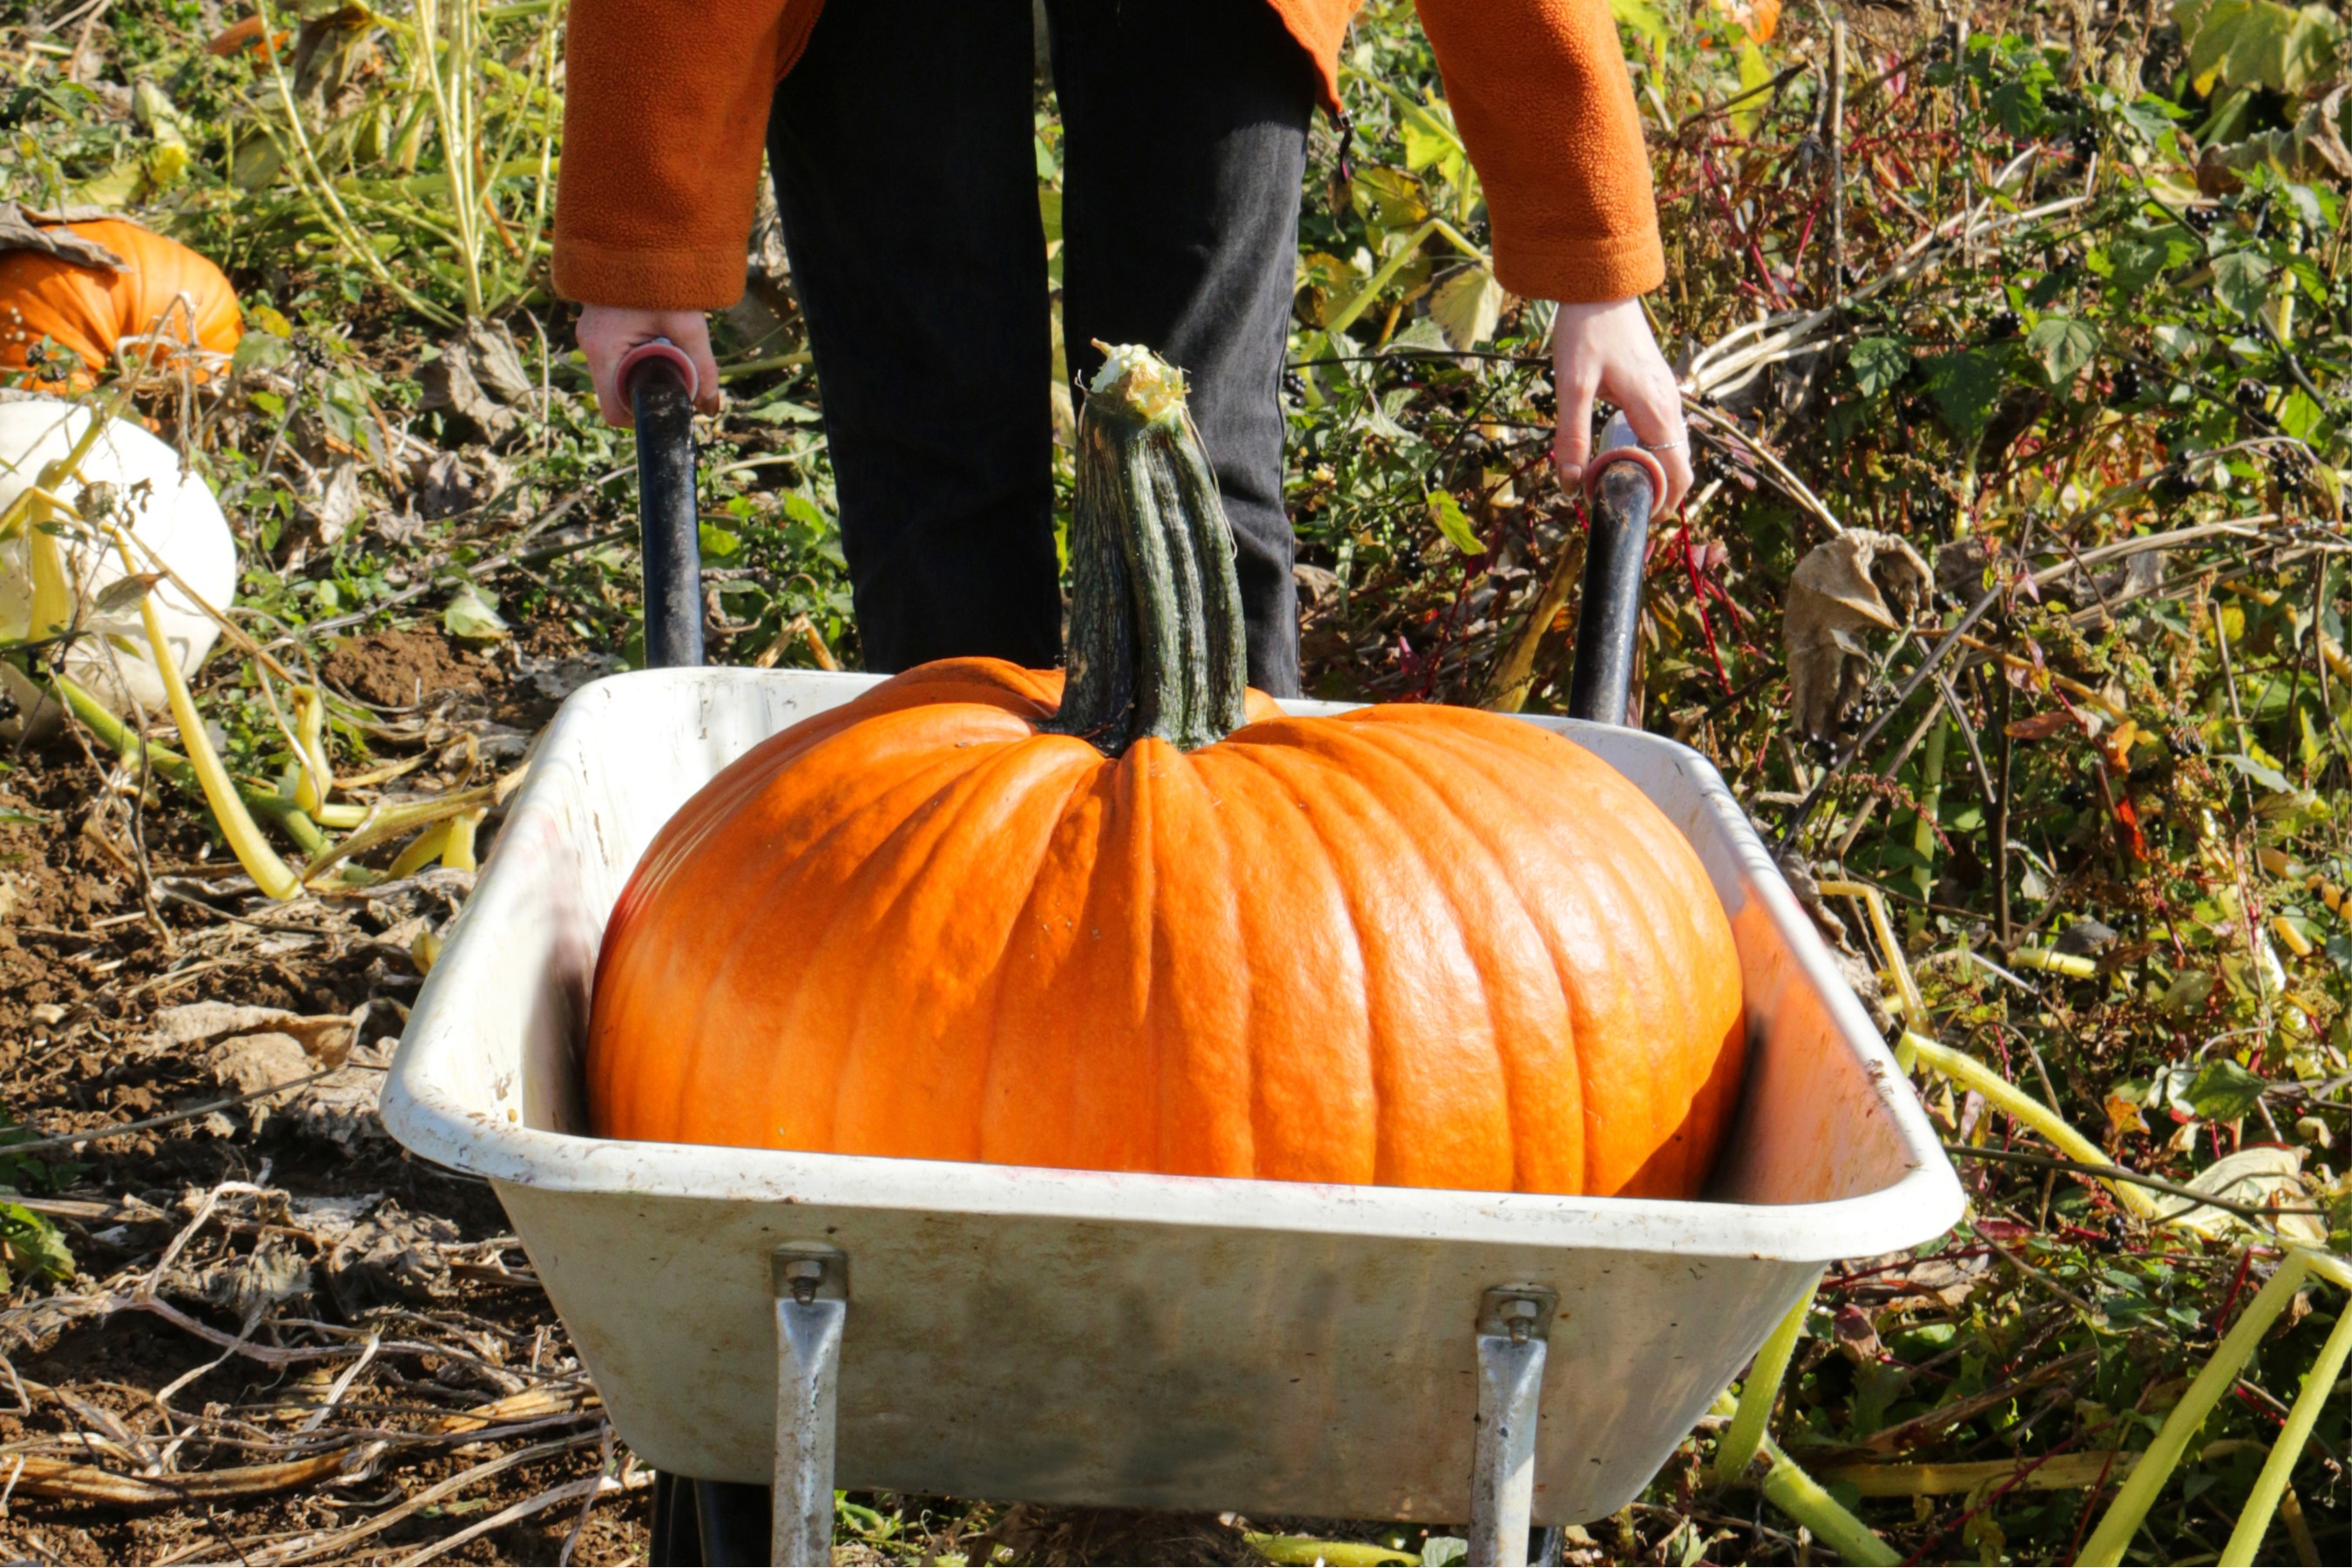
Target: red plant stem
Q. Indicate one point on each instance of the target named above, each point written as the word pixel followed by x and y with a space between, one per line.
pixel 2237 1283
pixel 1698 601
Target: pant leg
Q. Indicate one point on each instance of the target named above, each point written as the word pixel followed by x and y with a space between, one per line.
pixel 902 145
pixel 1186 139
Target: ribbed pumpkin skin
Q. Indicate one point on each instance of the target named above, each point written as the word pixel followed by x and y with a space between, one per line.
pixel 1419 947
pixel 89 309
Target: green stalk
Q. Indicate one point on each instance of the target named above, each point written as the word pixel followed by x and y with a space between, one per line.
pixel 1395 264
pixel 2106 1547
pixel 2255 1517
pixel 1305 1550
pixel 253 851
pixel 1807 1502
pixel 1745 1436
pixel 2003 1095
pixel 1156 637
pixel 1931 801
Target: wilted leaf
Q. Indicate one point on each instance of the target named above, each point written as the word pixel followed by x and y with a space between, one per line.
pixel 1446 514
pixel 2263 773
pixel 2042 726
pixel 1856 1335
pixel 19 231
pixel 124 592
pixel 2062 346
pixel 1878 365
pixel 1466 305
pixel 2258 43
pixel 1841 591
pixel 2262 1176
pixel 2124 1117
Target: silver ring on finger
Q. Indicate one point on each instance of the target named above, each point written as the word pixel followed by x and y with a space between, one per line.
pixel 1677 444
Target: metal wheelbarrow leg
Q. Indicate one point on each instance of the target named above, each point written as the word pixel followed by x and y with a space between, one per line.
pixel 715 1523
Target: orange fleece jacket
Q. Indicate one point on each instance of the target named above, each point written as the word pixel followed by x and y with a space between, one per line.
pixel 666 110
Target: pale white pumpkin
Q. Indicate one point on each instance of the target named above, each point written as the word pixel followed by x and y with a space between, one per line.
pixel 171 511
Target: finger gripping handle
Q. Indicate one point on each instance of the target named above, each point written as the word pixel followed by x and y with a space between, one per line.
pixel 1603 461
pixel 661 351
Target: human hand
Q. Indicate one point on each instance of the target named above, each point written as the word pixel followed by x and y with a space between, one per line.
pixel 607 334
pixel 1607 350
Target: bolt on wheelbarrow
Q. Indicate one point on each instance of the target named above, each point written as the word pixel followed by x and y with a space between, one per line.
pixel 781 1323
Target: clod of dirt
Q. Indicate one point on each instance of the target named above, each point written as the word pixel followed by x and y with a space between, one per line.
pixel 391 1257
pixel 399 668
pixel 327 1039
pixel 249 1284
pixel 1841 592
pixel 558 678
pixel 338 1109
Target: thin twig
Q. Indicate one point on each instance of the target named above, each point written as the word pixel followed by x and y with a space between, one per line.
pixel 2118 1173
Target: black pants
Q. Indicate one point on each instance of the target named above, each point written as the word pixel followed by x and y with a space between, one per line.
pixel 904 155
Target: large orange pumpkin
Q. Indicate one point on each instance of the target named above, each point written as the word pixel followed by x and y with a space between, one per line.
pixel 90 310
pixel 1416 945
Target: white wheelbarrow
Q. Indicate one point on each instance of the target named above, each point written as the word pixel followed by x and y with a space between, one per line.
pixel 986 1332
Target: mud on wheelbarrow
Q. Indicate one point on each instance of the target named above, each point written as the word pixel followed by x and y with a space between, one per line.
pixel 808 1320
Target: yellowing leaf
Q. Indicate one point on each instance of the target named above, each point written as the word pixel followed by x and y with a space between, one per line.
pixel 1446 514
pixel 1466 305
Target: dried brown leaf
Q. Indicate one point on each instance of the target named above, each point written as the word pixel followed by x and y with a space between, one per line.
pixel 1843 591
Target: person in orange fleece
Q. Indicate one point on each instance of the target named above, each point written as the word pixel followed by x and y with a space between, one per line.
pixel 900 138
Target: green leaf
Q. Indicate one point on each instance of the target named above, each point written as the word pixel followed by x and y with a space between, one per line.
pixel 1754 72
pixel 1965 387
pixel 1878 365
pixel 1446 512
pixel 1429 138
pixel 2261 773
pixel 1650 24
pixel 2241 281
pixel 473 614
pixel 2062 346
pixel 2298 416
pixel 2223 1091
pixel 30 1243
pixel 2140 258
pixel 260 351
pixel 718 542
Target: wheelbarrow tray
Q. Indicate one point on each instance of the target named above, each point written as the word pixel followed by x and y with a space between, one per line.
pixel 1121 1338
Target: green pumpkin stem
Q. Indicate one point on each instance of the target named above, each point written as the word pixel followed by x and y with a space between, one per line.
pixel 1156 641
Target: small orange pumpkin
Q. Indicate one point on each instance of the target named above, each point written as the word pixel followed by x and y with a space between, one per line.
pixel 1145 922
pixel 91 310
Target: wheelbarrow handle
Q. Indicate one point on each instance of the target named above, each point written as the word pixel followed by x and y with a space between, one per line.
pixel 659 382
pixel 1623 485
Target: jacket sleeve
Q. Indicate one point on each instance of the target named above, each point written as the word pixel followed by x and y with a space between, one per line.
pixel 1541 98
pixel 664 113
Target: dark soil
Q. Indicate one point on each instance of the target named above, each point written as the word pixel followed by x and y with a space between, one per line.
pixel 401 668
pixel 85 970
